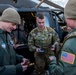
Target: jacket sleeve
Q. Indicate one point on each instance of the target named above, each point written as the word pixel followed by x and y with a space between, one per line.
pixel 55 69
pixel 55 39
pixel 11 70
pixel 31 41
pixel 64 67
pixel 19 58
pixel 7 68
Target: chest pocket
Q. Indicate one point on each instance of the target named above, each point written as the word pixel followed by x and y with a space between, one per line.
pixel 43 38
pixel 4 55
pixel 7 54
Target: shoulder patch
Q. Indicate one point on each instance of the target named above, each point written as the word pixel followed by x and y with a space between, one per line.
pixel 67 57
pixel 50 29
pixel 3 44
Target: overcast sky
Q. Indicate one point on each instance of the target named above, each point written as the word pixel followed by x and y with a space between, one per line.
pixel 59 2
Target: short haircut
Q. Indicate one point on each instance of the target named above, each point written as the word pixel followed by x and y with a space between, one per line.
pixel 40 15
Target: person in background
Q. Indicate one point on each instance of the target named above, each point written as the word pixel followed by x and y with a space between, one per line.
pixel 66 64
pixel 40 41
pixel 66 31
pixel 10 62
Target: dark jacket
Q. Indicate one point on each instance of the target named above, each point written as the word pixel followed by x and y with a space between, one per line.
pixel 67 57
pixel 9 60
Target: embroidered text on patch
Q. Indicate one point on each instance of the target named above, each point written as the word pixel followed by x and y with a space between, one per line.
pixel 67 57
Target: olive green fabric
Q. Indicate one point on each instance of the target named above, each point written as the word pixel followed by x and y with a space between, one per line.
pixel 42 39
pixel 10 15
pixel 70 9
pixel 64 67
pixel 9 60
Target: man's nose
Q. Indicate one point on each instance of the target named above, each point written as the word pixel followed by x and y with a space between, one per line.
pixel 41 23
pixel 14 26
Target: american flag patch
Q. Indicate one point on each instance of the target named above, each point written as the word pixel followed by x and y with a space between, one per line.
pixel 67 57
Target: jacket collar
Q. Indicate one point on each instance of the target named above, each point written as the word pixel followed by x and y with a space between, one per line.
pixel 74 30
pixel 45 29
pixel 1 31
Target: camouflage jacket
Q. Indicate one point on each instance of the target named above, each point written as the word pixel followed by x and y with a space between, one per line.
pixel 42 38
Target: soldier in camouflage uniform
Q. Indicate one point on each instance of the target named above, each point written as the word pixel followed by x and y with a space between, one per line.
pixel 40 41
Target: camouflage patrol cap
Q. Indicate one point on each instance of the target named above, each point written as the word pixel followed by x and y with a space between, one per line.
pixel 10 15
pixel 70 9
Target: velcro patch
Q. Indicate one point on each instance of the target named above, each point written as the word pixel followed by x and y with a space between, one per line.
pixel 67 57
